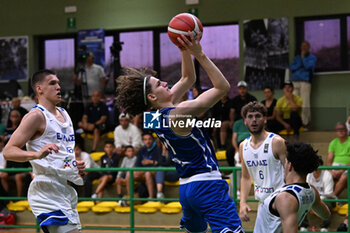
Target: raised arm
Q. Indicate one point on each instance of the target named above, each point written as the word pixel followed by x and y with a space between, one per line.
pixel 187 79
pixel 245 188
pixel 32 125
pixel 210 97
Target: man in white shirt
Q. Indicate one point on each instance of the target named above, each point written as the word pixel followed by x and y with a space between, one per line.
pixel 93 77
pixel 126 134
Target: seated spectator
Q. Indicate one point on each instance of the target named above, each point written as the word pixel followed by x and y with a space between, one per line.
pixel 15 119
pixel 338 155
pixel 88 177
pixel 128 161
pixel 322 180
pixel 161 176
pixel 288 110
pixel 110 159
pixel 239 133
pixel 95 118
pixel 148 156
pixel 126 134
pixel 16 105
pixel 221 111
pixel 20 178
pixel 270 104
pixel 240 100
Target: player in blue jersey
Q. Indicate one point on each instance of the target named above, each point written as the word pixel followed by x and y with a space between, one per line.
pixel 203 193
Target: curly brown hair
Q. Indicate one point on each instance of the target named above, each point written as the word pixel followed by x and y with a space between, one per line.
pixel 254 106
pixel 130 96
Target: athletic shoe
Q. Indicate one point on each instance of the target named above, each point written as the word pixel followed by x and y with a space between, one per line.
pixel 324 230
pixel 94 196
pixel 160 195
pixel 342 227
pixel 303 229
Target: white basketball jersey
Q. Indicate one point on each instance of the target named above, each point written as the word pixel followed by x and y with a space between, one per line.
pixel 61 165
pixel 264 169
pixel 268 221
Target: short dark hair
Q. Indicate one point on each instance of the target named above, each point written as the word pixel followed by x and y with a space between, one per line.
pixel 303 157
pixel 269 87
pixel 111 142
pixel 130 90
pixel 147 133
pixel 254 106
pixel 39 76
pixel 128 146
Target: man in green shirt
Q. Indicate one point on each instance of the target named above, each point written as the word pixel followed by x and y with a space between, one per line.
pixel 288 110
pixel 339 155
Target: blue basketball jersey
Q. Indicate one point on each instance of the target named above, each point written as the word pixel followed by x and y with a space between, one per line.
pixel 192 154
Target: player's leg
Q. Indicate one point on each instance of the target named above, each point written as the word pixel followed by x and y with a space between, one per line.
pixel 191 220
pixel 69 228
pixel 211 200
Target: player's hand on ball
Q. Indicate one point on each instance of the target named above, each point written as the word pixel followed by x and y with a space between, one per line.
pixel 47 149
pixel 243 212
pixel 81 166
pixel 192 45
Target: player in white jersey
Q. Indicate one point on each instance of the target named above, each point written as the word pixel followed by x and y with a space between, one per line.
pixel 262 155
pixel 286 208
pixel 48 134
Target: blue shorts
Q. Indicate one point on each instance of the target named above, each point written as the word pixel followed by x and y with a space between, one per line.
pixel 206 202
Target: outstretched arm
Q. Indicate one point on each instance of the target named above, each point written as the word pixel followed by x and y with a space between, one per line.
pixel 32 124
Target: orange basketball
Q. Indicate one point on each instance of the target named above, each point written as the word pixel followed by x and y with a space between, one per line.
pixel 181 24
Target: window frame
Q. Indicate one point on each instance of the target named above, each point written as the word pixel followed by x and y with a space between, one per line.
pixel 299 37
pixel 116 36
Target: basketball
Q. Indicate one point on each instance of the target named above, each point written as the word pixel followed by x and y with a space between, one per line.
pixel 181 24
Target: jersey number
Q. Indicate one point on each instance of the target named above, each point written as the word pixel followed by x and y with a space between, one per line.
pixel 261 174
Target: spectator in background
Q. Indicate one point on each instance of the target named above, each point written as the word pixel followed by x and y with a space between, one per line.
pixel 239 133
pixel 288 110
pixel 347 123
pixel 161 176
pixel 303 67
pixel 240 100
pixel 126 134
pixel 20 178
pixel 95 77
pixel 221 111
pixel 110 159
pixel 322 180
pixel 15 118
pixel 16 105
pixel 270 104
pixel 88 177
pixel 339 155
pixel 148 156
pixel 128 161
pixel 94 119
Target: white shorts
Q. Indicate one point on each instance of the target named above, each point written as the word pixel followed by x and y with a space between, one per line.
pixel 339 164
pixel 53 202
